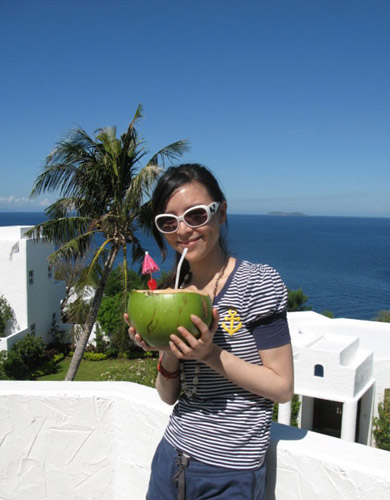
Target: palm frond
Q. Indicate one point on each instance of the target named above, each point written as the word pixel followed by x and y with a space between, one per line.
pixel 171 153
pixel 60 229
pixel 141 186
pixel 72 249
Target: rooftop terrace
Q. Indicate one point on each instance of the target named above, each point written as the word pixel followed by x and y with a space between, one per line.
pixel 95 440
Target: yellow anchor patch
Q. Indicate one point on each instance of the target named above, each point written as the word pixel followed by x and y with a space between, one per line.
pixel 232 322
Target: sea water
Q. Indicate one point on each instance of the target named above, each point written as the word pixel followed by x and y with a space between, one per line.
pixel 341 263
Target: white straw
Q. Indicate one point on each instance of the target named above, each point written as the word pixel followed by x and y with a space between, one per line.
pixel 179 267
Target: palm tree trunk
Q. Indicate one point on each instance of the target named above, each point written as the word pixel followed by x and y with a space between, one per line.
pixel 92 315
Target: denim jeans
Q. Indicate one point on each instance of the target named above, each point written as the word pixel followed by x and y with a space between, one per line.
pixel 202 481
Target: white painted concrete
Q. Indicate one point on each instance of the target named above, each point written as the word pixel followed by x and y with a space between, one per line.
pixel 35 298
pixel 88 441
pixel 355 356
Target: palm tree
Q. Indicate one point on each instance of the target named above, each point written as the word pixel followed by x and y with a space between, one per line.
pixel 104 192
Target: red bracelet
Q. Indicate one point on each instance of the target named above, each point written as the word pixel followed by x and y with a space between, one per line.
pixel 165 373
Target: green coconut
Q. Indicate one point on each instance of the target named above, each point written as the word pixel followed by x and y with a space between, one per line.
pixel 157 314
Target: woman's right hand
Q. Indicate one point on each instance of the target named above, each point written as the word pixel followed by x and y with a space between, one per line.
pixel 136 337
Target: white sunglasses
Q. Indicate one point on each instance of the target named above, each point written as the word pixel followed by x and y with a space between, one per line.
pixel 194 217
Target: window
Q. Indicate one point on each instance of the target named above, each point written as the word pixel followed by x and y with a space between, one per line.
pixel 31 277
pixel 318 371
pixel 32 329
pixel 49 271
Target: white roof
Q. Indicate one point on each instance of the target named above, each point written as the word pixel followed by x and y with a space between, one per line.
pixel 13 232
pixel 373 335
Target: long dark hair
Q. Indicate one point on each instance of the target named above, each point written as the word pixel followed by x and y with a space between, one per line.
pixel 172 179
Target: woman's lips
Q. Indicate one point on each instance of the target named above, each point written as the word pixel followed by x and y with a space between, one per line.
pixel 188 243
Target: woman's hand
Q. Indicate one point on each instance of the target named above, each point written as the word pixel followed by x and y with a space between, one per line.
pixel 136 337
pixel 199 348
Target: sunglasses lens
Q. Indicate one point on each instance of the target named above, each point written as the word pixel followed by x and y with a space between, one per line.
pixel 196 217
pixel 167 224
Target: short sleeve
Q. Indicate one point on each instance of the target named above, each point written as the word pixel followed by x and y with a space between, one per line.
pixel 265 306
pixel 265 293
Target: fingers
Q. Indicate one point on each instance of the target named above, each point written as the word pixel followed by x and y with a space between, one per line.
pixel 215 320
pixel 186 346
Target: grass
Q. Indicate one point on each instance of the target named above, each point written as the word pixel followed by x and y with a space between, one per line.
pixel 141 371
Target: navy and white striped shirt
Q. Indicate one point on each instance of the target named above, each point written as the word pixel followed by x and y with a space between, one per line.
pixel 223 424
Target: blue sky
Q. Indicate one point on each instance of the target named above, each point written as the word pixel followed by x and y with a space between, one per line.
pixel 286 101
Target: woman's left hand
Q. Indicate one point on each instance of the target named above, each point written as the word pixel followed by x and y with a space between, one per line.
pixel 195 348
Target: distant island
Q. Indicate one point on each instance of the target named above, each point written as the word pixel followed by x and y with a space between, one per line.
pixel 289 214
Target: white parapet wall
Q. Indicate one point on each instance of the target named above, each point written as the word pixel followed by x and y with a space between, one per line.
pixel 95 440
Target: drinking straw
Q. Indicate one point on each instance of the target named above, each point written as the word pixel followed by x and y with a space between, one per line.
pixel 179 267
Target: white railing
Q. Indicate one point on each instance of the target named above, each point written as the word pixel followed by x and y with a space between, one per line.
pixel 71 440
pixel 7 342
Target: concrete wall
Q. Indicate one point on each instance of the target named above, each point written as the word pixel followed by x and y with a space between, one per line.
pixel 83 440
pixel 6 343
pixel 33 303
pixel 13 282
pixel 45 294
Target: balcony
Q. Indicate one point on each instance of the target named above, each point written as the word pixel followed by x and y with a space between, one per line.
pixel 95 440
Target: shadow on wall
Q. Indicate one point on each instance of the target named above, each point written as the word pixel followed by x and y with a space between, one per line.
pixel 279 433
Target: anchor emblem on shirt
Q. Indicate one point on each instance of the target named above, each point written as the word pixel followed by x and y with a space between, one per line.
pixel 232 322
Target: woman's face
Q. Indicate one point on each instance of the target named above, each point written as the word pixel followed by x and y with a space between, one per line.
pixel 199 241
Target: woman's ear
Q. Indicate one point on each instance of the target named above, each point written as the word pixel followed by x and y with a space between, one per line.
pixel 222 212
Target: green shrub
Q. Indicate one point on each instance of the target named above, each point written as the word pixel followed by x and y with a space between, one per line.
pixel 295 406
pixel 92 356
pixel 3 357
pixel 381 430
pixel 25 357
pixel 95 356
pixel 296 301
pixel 6 314
pixel 58 357
pixel 383 316
pixel 14 367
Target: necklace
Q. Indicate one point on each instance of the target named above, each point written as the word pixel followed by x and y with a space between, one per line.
pixel 191 392
pixel 188 276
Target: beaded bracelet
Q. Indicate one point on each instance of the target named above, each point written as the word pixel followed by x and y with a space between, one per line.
pixel 165 373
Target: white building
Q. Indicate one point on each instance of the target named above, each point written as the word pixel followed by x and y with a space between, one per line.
pixel 342 369
pixel 27 283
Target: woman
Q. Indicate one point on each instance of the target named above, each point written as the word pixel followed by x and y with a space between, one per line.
pixel 223 384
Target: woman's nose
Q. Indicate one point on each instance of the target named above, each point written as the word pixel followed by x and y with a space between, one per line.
pixel 183 228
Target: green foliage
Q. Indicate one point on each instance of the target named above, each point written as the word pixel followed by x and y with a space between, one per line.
pixel 110 318
pixel 327 313
pixel 115 283
pixel 25 356
pixel 295 406
pixel 3 357
pixel 103 184
pixel 95 356
pixel 14 367
pixel 58 357
pixel 383 316
pixel 60 338
pixel 77 311
pixel 296 301
pixel 381 430
pixel 140 371
pixel 101 344
pixel 92 356
pixel 6 314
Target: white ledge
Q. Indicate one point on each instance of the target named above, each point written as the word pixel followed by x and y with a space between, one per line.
pixel 88 440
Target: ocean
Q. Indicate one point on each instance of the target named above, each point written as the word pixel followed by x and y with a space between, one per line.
pixel 341 263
